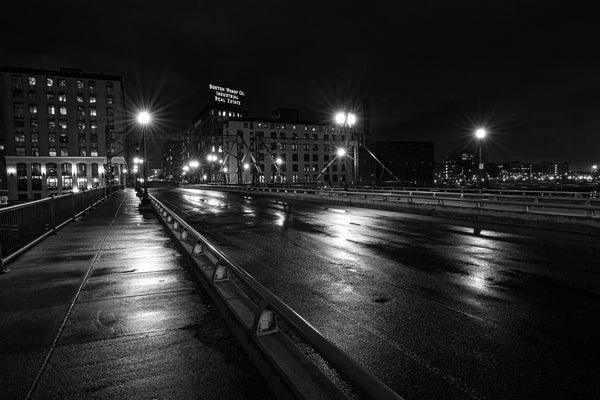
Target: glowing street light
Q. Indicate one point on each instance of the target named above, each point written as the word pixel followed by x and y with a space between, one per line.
pixel 194 164
pixel 345 119
pixel 480 135
pixel 143 119
pixel 246 165
pixel 341 152
pixel 278 161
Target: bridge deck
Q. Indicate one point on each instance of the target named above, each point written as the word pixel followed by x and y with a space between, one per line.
pixel 106 308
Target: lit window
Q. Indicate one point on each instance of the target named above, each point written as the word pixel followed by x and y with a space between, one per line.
pixel 64 152
pixel 80 98
pixel 92 98
pixel 35 151
pixel 94 152
pixel 20 137
pixel 62 124
pixel 52 151
pixel 49 82
pixel 62 82
pixel 19 150
pixel 93 125
pixel 35 137
pixel 109 99
pixel 52 138
pixel 32 109
pixel 63 110
pixel 81 125
pixel 82 151
pixel 62 97
pixel 31 80
pixel 79 84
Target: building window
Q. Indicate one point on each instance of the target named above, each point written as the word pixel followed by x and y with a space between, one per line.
pixel 62 124
pixel 109 85
pixel 20 151
pixel 62 83
pixel 31 95
pixel 306 157
pixel 92 98
pixel 315 147
pixel 52 151
pixel 315 157
pixel 18 108
pixel 62 97
pixel 51 173
pixel 94 137
pixel 50 96
pixel 92 85
pixel 19 138
pixel 109 111
pixel 16 79
pixel 81 125
pixel 22 176
pixel 17 94
pixel 51 125
pixel 92 111
pixel 82 152
pixel 80 112
pixel 80 98
pixel 81 137
pixel 63 138
pixel 35 137
pixel 326 157
pixel 51 110
pixel 282 146
pixel 274 146
pixel 31 80
pixel 282 135
pixel 295 157
pixel 79 84
pixel 36 176
pixel 93 125
pixel 19 123
pixel 94 151
pixel 294 167
pixel 62 110
pixel 32 109
pixel 109 99
pixel 64 152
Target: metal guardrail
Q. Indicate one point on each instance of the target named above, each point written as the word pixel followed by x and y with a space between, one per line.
pixel 24 225
pixel 271 307
pixel 550 203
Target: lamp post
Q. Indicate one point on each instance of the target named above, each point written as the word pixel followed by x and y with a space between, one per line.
pixel 193 165
pixel 480 135
pixel 347 120
pixel 144 119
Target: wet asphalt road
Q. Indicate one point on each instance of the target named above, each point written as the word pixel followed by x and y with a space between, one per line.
pixel 432 308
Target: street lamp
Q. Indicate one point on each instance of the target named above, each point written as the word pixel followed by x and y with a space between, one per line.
pixel 144 119
pixel 193 165
pixel 480 135
pixel 347 120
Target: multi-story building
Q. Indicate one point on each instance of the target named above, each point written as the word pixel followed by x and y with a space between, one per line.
pixel 60 131
pixel 460 167
pixel 276 150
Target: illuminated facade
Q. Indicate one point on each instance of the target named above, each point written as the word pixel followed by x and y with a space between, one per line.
pixel 277 150
pixel 60 131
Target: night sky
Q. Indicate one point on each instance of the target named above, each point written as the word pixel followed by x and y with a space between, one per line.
pixel 529 71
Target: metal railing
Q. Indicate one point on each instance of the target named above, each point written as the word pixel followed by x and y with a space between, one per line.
pixel 269 303
pixel 550 203
pixel 24 225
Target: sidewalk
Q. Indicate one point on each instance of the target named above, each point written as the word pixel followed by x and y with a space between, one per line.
pixel 107 309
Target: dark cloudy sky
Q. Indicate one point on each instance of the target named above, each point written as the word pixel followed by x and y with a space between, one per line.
pixel 432 70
